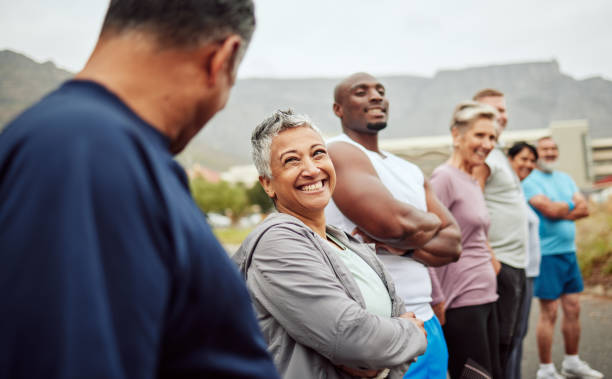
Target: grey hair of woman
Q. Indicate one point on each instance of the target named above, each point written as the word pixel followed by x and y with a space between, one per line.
pixel 264 133
pixel 466 112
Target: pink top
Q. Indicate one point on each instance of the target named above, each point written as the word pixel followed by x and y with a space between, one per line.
pixel 471 280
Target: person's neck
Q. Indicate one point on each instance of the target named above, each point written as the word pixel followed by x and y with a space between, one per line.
pixel 144 78
pixel 457 161
pixel 314 220
pixel 367 140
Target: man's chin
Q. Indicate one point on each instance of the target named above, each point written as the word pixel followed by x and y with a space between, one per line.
pixel 376 126
pixel 548 166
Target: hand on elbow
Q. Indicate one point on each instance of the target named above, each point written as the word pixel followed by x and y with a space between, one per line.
pixel 418 322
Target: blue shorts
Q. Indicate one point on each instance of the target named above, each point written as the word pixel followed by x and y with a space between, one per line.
pixel 434 363
pixel 559 274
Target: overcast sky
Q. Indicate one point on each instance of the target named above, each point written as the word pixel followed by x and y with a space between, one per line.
pixel 330 38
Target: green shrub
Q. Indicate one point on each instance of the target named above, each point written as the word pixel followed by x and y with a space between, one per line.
pixel 594 241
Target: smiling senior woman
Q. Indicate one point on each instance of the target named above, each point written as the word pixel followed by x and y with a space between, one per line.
pixel 469 285
pixel 325 303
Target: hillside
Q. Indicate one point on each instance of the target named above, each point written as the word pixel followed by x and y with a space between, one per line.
pixel 23 81
pixel 537 93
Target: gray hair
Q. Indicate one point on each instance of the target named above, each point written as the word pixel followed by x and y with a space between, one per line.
pixel 185 23
pixel 466 112
pixel 264 133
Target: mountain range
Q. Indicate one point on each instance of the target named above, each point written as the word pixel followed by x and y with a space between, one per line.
pixel 537 93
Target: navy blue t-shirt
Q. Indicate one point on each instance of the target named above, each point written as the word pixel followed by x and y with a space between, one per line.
pixel 107 267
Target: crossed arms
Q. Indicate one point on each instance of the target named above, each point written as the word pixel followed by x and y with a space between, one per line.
pixel 560 210
pixel 397 226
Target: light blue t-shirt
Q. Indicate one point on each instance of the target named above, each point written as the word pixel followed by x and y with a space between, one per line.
pixel 556 236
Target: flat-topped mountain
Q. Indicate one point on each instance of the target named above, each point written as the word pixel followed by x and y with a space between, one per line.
pixel 537 93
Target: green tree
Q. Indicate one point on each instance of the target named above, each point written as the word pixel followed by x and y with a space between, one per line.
pixel 204 194
pixel 221 197
pixel 257 196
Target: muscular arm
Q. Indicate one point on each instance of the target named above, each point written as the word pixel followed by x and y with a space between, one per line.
pixel 363 198
pixel 445 246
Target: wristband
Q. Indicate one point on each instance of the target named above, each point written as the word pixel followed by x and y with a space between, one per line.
pixel 570 206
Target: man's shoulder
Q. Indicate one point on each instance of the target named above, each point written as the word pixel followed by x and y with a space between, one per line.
pixel 536 177
pixel 74 108
pixel 497 161
pixel 74 123
pixel 405 164
pixel 344 144
pixel 347 154
pixel 495 155
pixel 562 176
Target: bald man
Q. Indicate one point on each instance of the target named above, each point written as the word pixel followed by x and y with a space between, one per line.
pixel 387 201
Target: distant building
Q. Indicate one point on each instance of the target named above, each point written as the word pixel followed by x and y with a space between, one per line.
pixel 586 160
pixel 246 174
pixel 198 171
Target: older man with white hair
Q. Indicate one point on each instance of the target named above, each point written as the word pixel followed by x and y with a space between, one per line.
pixel 558 203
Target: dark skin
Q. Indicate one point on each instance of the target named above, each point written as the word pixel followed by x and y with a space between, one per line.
pixel 362 107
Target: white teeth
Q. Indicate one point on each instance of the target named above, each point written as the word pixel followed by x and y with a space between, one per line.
pixel 312 187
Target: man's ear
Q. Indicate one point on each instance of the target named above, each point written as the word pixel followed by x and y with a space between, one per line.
pixel 338 110
pixel 224 60
pixel 265 183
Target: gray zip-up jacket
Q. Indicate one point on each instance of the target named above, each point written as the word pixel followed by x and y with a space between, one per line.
pixel 310 309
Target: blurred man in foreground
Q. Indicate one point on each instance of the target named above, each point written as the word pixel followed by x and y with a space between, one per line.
pixel 558 203
pixel 109 269
pixel 387 200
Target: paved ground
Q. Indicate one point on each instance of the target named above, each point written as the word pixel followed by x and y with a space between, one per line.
pixel 595 344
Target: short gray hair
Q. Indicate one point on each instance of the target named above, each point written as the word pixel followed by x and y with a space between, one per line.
pixel 468 111
pixel 264 133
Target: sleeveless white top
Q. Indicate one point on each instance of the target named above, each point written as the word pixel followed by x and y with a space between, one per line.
pixel 405 181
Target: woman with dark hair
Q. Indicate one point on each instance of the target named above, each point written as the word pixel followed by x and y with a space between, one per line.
pixel 523 158
pixel 469 286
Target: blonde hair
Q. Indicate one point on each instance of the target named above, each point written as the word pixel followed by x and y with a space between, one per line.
pixel 468 111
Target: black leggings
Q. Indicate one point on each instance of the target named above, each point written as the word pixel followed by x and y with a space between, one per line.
pixel 471 332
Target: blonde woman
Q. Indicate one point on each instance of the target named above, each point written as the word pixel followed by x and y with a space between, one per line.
pixel 469 285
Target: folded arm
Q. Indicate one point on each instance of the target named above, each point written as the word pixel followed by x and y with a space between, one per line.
pixel 555 210
pixel 365 200
pixel 581 208
pixel 289 278
pixel 445 245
